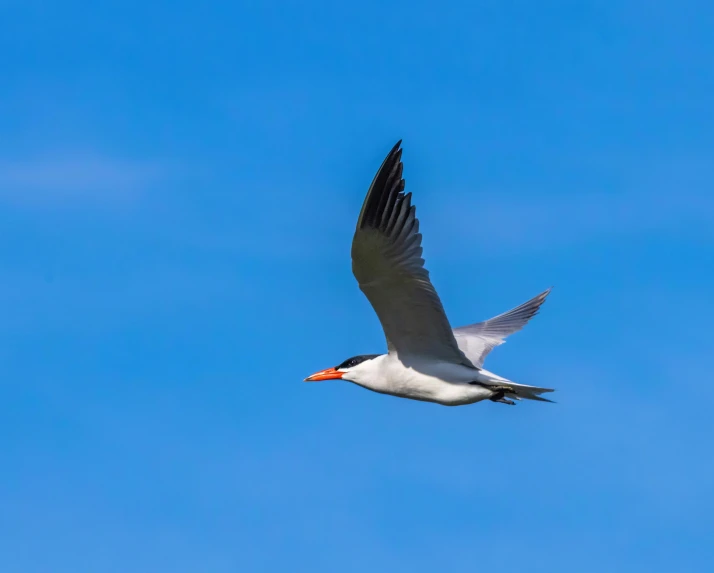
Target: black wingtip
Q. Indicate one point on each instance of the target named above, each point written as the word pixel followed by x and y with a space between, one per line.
pixel 395 149
pixel 382 188
pixel 394 156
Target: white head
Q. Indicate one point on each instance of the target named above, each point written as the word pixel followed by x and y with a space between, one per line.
pixel 357 369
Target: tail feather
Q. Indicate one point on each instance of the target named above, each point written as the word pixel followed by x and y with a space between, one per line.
pixel 518 390
pixel 529 392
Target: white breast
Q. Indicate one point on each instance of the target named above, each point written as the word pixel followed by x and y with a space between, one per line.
pixel 441 382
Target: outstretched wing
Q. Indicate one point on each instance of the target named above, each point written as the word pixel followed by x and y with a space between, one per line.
pixel 477 340
pixel 388 265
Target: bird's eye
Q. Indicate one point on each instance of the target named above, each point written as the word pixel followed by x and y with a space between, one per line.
pixel 355 361
pixel 349 363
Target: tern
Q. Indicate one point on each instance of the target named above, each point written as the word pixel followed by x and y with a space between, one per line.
pixel 426 359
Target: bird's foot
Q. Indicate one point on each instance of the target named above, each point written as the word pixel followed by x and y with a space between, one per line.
pixel 499 395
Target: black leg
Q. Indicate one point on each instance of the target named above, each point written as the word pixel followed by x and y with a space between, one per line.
pixel 499 393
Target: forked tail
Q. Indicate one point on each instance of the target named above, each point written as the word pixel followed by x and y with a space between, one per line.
pixel 528 392
pixel 509 389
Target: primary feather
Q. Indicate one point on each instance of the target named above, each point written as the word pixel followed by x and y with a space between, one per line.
pixel 477 340
pixel 388 265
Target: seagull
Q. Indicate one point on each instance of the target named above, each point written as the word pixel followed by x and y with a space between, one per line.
pixel 426 359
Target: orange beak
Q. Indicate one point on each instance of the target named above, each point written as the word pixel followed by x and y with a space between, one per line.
pixel 328 374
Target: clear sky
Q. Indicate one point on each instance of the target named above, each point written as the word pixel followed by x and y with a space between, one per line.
pixel 179 184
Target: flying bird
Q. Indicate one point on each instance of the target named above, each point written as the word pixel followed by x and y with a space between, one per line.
pixel 426 359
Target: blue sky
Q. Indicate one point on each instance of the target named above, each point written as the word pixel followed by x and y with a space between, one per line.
pixel 179 184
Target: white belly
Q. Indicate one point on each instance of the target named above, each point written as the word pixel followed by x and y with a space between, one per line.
pixel 440 382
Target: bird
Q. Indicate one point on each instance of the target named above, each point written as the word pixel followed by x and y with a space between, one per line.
pixel 426 358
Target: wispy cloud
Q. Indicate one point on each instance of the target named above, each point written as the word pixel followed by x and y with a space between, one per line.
pixel 66 179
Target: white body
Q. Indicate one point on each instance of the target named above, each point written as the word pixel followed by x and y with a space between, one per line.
pixel 445 383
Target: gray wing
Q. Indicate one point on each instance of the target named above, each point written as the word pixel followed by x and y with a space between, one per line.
pixel 477 340
pixel 388 265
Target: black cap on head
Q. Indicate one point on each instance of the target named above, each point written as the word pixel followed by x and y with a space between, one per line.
pixel 355 360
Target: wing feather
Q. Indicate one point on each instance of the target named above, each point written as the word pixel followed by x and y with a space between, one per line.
pixel 388 265
pixel 477 340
